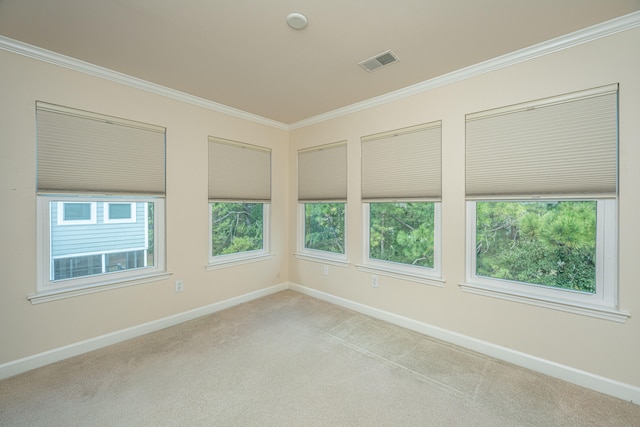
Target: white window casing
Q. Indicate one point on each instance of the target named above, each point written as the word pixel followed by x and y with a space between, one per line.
pixel 560 148
pixel 239 173
pixel 403 165
pixel 48 289
pixel 322 178
pixel 86 157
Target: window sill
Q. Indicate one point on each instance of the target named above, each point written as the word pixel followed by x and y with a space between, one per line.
pixel 600 312
pixel 58 294
pixel 323 259
pixel 403 275
pixel 224 263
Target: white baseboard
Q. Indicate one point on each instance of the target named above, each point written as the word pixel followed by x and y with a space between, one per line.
pixel 566 373
pixel 19 366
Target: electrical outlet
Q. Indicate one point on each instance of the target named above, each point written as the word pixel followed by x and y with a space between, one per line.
pixel 179 286
pixel 374 281
pixel 325 270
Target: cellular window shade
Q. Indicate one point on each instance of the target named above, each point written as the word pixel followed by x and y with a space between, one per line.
pixel 403 164
pixel 239 171
pixel 322 173
pixel 559 146
pixel 83 152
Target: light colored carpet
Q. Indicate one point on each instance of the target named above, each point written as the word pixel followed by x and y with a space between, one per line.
pixel 291 360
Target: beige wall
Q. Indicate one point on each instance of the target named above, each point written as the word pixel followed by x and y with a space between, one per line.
pixel 27 329
pixel 597 346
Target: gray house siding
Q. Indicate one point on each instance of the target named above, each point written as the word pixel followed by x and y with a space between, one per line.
pixel 75 239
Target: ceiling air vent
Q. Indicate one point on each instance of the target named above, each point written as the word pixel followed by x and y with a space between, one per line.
pixel 379 61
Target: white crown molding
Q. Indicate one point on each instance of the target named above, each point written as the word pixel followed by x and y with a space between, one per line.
pixel 64 61
pixel 586 35
pixel 598 31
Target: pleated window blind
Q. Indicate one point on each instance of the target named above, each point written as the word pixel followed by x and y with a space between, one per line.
pixel 83 152
pixel 239 171
pixel 322 173
pixel 403 164
pixel 566 145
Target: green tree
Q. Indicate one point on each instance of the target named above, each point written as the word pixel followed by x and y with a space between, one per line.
pixel 150 232
pixel 402 232
pixel 236 227
pixel 545 243
pixel 324 227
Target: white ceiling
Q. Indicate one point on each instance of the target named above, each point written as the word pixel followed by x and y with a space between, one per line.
pixel 242 54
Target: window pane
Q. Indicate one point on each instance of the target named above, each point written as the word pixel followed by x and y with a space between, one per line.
pixel 402 232
pixel 119 210
pixel 66 268
pixel 77 211
pixel 124 260
pixel 236 227
pixel 543 243
pixel 324 227
pixel 98 248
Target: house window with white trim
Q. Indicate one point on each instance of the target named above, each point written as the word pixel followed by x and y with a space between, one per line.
pixel 101 183
pixel 239 202
pixel 401 190
pixel 119 213
pixel 75 213
pixel 541 189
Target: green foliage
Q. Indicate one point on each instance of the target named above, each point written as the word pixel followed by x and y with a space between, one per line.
pixel 236 227
pixel 324 227
pixel 151 232
pixel 545 243
pixel 402 232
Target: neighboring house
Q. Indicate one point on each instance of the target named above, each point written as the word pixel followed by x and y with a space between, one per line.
pixel 90 237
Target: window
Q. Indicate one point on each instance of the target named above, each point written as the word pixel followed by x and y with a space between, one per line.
pixel 401 188
pixel 549 243
pixel 403 233
pixel 74 213
pixel 100 202
pixel 237 227
pixel 239 196
pixel 118 213
pixel 79 250
pixel 324 227
pixel 542 224
pixel 322 194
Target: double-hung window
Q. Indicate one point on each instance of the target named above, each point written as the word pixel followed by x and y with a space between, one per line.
pixel 401 194
pixel 541 190
pixel 239 200
pixel 101 186
pixel 322 196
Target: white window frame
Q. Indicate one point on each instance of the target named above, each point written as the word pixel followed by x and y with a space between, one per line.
pixel 48 290
pixel 238 258
pixel 601 304
pixel 93 218
pixel 106 213
pixel 316 255
pixel 425 275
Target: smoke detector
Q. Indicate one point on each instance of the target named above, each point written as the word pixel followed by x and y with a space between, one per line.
pixel 297 21
pixel 381 60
